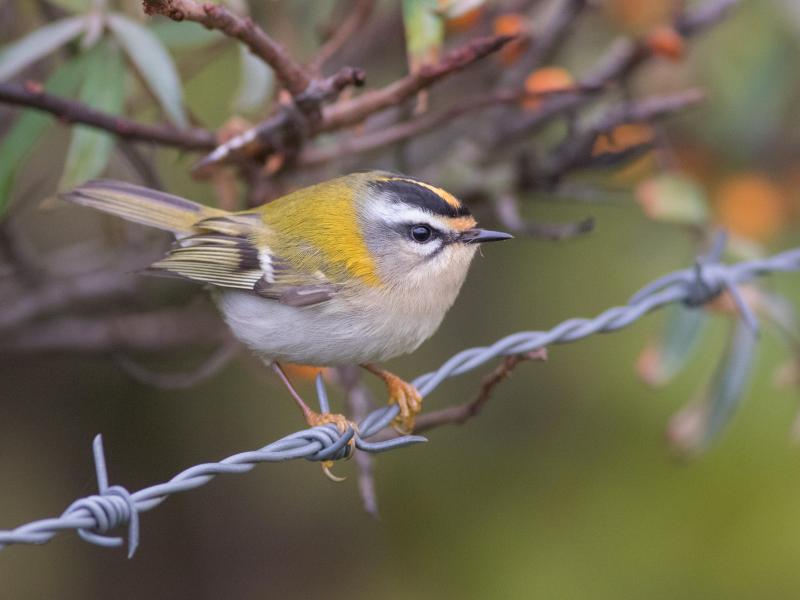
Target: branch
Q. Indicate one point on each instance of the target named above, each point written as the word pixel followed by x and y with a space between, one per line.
pixel 623 56
pixel 356 110
pixel 29 95
pixel 358 144
pixel 142 332
pixel 281 129
pixel 547 43
pixel 354 21
pixel 285 128
pixel 461 413
pixel 360 400
pixel 291 74
pixel 181 379
pixel 575 152
pixel 58 295
pixel 507 210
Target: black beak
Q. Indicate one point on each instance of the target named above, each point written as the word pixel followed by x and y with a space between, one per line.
pixel 480 236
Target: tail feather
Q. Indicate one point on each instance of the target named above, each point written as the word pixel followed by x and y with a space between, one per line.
pixel 142 205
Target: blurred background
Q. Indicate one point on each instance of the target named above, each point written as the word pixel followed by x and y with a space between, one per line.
pixel 625 466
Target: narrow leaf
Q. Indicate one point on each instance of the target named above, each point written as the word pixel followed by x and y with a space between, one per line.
pixel 18 143
pixel 154 63
pixel 184 35
pixel 674 199
pixel 256 83
pixel 39 43
pixel 661 361
pixel 697 425
pixel 73 6
pixel 424 29
pixel 103 89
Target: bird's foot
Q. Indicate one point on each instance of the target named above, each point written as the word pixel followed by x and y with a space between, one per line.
pixel 315 419
pixel 404 395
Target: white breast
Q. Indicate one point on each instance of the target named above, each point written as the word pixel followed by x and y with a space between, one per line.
pixel 336 332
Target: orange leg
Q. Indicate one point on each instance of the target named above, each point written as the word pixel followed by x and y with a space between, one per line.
pixel 403 394
pixel 314 418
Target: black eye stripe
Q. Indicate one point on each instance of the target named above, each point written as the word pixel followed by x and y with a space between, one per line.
pixel 413 194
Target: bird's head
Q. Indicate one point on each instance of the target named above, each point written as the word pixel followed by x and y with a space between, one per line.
pixel 419 236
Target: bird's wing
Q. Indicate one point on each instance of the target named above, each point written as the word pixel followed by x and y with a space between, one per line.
pixel 232 251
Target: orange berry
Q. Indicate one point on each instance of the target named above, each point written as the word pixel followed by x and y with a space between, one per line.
pixel 636 16
pixel 512 24
pixel 622 137
pixel 541 81
pixel 465 21
pixel 665 41
pixel 750 205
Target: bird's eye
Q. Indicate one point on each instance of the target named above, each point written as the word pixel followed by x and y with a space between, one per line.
pixel 421 233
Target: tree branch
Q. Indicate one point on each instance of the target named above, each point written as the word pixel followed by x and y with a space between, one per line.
pixel 575 151
pixel 357 109
pixel 356 18
pixel 142 332
pixel 461 413
pixel 623 56
pixel 277 131
pixel 29 95
pixel 291 74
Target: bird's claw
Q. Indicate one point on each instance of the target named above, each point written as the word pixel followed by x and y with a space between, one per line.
pixel 342 424
pixel 409 401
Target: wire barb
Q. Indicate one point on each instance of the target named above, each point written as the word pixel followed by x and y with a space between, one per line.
pixel 94 516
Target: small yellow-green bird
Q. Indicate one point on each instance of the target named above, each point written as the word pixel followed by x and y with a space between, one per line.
pixel 354 270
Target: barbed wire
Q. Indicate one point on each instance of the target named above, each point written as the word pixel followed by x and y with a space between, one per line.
pixel 93 517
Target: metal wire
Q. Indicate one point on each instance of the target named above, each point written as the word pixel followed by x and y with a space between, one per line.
pixel 93 517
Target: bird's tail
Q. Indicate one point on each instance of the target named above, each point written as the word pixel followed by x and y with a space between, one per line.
pixel 142 205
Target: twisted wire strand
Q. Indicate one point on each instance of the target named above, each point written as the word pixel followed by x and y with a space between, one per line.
pixel 93 517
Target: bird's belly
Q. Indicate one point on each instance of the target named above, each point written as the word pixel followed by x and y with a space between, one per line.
pixel 331 333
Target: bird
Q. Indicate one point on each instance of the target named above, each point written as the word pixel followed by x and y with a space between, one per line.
pixel 354 270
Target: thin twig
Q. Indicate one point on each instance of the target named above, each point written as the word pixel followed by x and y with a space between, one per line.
pixel 459 414
pixel 291 74
pixel 357 109
pixel 285 129
pixel 507 210
pixel 58 295
pixel 360 400
pixel 359 14
pixel 71 111
pixel 618 63
pixel 576 150
pixel 547 43
pixel 181 379
pixel 142 332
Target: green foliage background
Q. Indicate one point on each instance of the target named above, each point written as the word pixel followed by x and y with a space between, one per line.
pixel 563 488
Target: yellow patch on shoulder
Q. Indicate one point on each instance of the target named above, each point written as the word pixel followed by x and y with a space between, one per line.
pixel 319 231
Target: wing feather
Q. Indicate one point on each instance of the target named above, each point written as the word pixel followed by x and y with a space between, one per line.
pixel 232 253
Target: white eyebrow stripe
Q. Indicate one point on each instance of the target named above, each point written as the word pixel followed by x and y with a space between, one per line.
pixel 391 211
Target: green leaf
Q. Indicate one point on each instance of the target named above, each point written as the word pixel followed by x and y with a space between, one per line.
pixel 102 89
pixel 697 425
pixel 39 43
pixel 674 199
pixel 18 143
pixel 184 35
pixel 424 29
pixel 154 63
pixel 256 83
pixel 662 361
pixel 73 6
